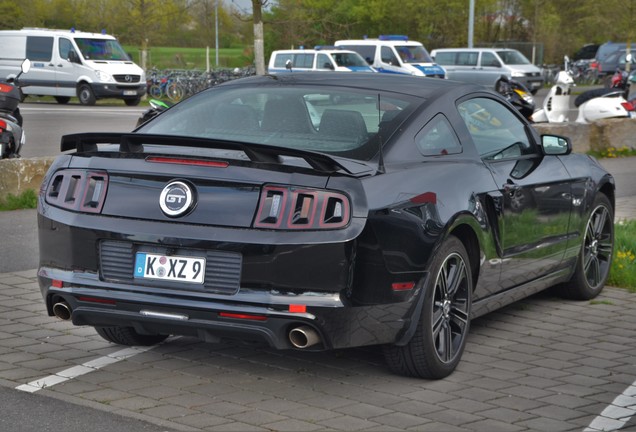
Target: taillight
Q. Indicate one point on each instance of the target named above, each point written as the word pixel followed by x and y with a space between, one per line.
pixel 629 106
pixel 3 125
pixel 291 208
pixel 77 190
pixel 4 88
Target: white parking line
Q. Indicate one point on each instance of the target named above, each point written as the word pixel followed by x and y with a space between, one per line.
pixel 617 413
pixel 83 369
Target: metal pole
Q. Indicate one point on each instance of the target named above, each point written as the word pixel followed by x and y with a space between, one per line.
pixel 471 22
pixel 216 32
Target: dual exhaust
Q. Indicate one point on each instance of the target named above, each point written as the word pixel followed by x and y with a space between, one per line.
pixel 303 337
pixel 62 310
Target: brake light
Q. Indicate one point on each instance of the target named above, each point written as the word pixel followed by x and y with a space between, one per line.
pixel 77 190
pixel 4 88
pixel 242 316
pixel 295 208
pixel 186 161
pixel 3 125
pixel 629 106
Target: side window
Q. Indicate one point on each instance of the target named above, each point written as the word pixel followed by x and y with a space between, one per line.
pixel 437 138
pixel 489 59
pixel 305 61
pixel 445 58
pixel 281 60
pixel 467 58
pixel 39 48
pixel 387 56
pixel 496 132
pixel 65 47
pixel 323 62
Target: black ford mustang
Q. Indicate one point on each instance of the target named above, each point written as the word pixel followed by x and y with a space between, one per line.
pixel 321 211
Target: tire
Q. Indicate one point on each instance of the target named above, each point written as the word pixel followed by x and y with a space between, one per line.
pixel 595 259
pixel 175 92
pixel 128 336
pixel 132 102
pixel 155 91
pixel 62 100
pixel 436 348
pixel 85 95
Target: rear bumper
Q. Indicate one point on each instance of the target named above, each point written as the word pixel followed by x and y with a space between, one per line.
pixel 250 315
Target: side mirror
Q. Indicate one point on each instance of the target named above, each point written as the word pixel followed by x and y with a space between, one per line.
pixel 288 65
pixel 73 57
pixel 26 65
pixel 628 58
pixel 328 65
pixel 556 145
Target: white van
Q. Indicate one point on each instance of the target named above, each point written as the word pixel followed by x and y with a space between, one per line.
pixel 318 59
pixel 68 63
pixel 485 66
pixel 395 54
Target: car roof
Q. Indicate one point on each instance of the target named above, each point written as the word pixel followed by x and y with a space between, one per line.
pixel 416 86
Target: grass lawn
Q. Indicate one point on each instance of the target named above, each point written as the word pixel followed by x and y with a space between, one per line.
pixel 192 58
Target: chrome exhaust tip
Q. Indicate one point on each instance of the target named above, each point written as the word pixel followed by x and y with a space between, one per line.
pixel 303 337
pixel 62 310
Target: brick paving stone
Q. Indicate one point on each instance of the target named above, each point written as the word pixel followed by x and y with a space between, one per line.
pixel 363 411
pixel 330 402
pixel 455 418
pixel 223 409
pixel 567 401
pixel 280 406
pixel 417 408
pixel 243 397
pixel 478 394
pixel 557 412
pixel 347 423
pixel 105 395
pixel 258 417
pixel 135 403
pixel 439 427
pixel 292 425
pixel 505 415
pixel 575 390
pixel 189 400
pixel 202 420
pixel 467 405
pixel 548 425
pixel 491 425
pixel 157 391
pixel 400 420
pixel 168 412
pixel 527 392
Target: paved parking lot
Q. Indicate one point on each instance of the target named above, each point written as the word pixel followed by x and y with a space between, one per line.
pixel 542 364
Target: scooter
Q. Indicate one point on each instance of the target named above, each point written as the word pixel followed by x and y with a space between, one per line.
pixel 156 107
pixel 517 94
pixel 556 104
pixel 12 136
pixel 609 102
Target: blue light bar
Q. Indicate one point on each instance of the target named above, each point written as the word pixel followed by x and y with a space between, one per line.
pixel 393 37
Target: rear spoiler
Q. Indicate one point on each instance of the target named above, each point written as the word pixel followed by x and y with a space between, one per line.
pixel 134 143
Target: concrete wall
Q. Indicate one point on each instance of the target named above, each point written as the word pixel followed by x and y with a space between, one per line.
pixel 19 175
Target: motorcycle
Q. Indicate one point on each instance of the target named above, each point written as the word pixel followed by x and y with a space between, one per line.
pixel 12 136
pixel 517 94
pixel 156 107
pixel 609 102
pixel 556 104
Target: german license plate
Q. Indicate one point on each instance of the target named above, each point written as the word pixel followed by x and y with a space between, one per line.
pixel 130 92
pixel 170 268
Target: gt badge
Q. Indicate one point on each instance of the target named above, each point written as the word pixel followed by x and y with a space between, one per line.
pixel 176 199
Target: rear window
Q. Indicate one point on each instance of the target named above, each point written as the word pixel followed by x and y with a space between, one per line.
pixel 348 123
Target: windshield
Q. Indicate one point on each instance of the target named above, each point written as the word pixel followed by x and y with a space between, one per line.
pixel 510 57
pixel 349 59
pixel 340 122
pixel 101 49
pixel 413 54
